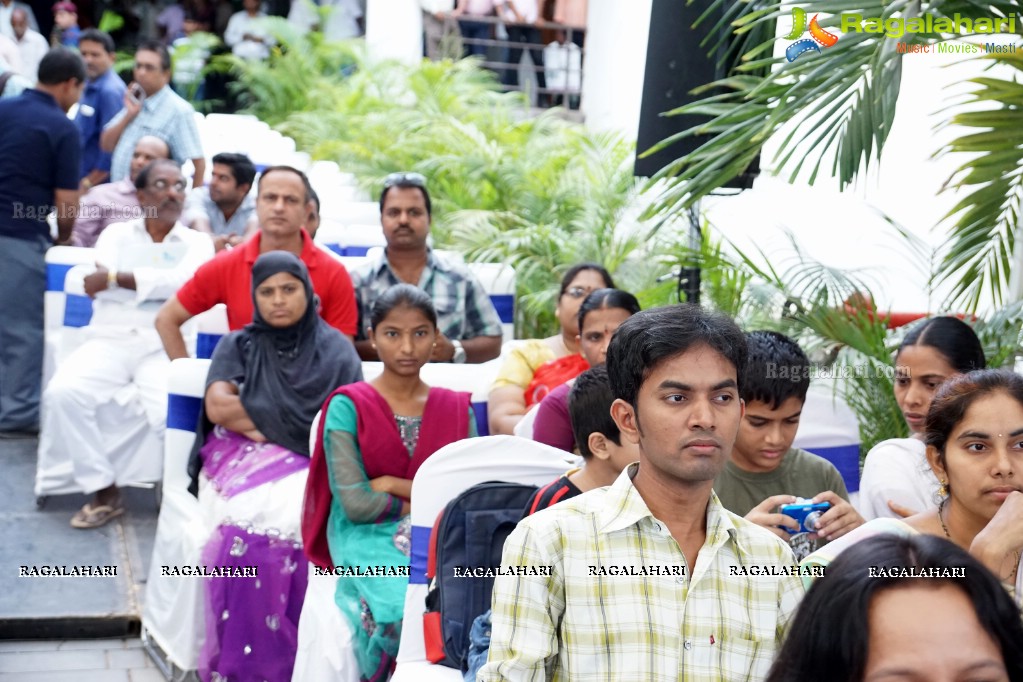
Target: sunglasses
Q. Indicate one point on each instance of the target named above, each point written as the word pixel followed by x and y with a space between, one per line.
pixel 413 179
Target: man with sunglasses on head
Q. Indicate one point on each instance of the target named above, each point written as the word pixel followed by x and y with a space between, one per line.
pixel 469 326
pixel 121 366
pixel 152 108
pixel 284 207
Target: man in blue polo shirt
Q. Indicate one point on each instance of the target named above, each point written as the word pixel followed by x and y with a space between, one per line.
pixel 39 164
pixel 104 93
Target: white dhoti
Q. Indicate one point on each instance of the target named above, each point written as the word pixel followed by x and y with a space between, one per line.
pixel 104 413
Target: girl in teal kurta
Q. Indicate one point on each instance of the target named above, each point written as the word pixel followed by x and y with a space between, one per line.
pixel 373 438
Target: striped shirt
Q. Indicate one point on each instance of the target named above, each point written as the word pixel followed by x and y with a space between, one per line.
pixel 620 602
pixel 464 310
pixel 164 115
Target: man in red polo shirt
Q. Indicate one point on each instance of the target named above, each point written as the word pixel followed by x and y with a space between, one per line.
pixel 283 206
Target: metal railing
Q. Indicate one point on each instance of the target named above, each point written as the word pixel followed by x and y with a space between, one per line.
pixel 545 84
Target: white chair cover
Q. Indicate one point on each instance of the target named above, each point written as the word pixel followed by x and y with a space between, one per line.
pixel 524 429
pixel 127 432
pixel 443 476
pixel 172 613
pixel 59 260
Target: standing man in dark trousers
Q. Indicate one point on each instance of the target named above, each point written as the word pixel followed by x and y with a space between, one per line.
pixel 40 164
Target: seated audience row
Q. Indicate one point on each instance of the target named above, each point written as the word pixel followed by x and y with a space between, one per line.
pixel 973 436
pixel 672 403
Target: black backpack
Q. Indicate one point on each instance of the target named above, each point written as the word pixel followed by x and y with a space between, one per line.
pixel 469 533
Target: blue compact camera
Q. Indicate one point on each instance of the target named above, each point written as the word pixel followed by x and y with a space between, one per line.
pixel 806 512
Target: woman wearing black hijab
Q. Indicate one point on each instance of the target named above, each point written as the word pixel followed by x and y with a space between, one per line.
pixel 266 383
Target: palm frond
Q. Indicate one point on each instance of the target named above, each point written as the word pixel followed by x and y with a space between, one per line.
pixel 984 223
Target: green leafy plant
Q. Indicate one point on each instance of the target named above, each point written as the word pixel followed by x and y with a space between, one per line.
pixel 830 313
pixel 847 98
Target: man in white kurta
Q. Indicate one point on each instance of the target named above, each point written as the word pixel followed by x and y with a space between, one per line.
pixel 140 264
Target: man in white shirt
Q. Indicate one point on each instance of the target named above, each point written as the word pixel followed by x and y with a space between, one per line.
pixel 246 33
pixel 342 23
pixel 140 264
pixel 7 8
pixel 32 46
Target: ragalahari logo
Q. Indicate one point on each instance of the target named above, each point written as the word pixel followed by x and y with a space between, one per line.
pixel 818 36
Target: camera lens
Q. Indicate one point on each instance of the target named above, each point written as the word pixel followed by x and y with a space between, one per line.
pixel 810 522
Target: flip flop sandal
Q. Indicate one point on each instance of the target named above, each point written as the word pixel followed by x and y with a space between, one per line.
pixel 94 517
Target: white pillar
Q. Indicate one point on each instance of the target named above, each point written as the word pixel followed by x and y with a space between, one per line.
pixel 616 41
pixel 394 30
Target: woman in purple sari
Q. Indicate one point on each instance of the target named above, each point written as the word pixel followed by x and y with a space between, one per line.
pixel 265 385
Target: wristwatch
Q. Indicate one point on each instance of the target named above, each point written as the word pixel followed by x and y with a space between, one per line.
pixel 459 357
pixel 112 279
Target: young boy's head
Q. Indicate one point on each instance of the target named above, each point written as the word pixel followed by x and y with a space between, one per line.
pixel 597 435
pixel 65 14
pixel 777 379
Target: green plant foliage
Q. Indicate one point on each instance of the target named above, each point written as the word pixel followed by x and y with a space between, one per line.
pixel 539 193
pixel 846 99
pixel 852 343
pixel 985 222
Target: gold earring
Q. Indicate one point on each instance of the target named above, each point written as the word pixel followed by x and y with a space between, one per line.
pixel 943 488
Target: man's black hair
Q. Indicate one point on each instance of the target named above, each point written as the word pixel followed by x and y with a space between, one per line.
pixel 589 406
pixel 97 36
pixel 289 169
pixel 241 166
pixel 776 369
pixel 60 65
pixel 650 337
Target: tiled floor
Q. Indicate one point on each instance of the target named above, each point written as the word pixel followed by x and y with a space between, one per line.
pixel 84 660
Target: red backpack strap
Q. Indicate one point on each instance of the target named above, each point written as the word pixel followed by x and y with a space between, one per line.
pixel 431 556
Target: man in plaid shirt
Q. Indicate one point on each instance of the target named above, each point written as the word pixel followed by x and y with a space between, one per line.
pixel 651 578
pixel 468 324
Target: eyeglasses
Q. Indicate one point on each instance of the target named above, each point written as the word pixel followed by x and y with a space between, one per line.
pixel 162 185
pixel 146 67
pixel 414 179
pixel 578 292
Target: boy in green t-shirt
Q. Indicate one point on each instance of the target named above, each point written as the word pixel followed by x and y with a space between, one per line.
pixel 764 471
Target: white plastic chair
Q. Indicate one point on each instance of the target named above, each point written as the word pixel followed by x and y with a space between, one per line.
pixel 211 326
pixel 498 280
pixel 348 212
pixel 59 261
pixel 451 470
pixel 474 379
pixel 324 638
pixel 172 614
pixel 127 433
pixel 524 427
